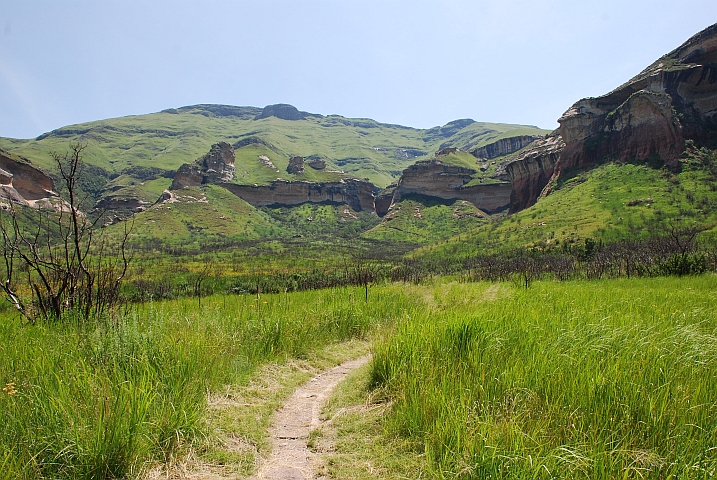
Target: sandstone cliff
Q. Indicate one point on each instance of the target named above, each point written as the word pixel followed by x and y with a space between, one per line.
pixel 433 178
pixel 24 184
pixel 357 194
pixel 215 167
pixel 648 118
pixel 504 146
pixel 530 172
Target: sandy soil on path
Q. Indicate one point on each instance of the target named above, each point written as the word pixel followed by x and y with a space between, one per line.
pixel 291 458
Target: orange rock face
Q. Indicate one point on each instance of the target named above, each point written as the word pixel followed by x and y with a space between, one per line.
pixel 22 183
pixel 357 194
pixel 647 119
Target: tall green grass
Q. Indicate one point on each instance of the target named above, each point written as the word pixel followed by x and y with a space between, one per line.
pixel 610 379
pixel 99 401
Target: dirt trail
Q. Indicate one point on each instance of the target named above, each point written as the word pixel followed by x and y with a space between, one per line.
pixel 291 459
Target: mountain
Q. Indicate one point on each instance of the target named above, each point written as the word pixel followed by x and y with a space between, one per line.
pixel 636 157
pixel 638 161
pixel 131 160
pixel 649 119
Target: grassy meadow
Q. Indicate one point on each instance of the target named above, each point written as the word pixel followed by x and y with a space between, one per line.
pixel 607 379
pixel 108 399
pixel 602 379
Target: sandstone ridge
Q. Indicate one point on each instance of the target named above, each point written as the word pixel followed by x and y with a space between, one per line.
pixel 649 118
pixel 357 194
pixel 504 146
pixel 24 184
pixel 434 178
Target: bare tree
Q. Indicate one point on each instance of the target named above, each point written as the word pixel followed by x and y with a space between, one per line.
pixel 57 260
pixel 198 278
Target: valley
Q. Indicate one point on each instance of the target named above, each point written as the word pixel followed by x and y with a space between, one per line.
pixel 536 304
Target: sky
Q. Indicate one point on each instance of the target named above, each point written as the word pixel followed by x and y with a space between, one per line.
pixel 416 63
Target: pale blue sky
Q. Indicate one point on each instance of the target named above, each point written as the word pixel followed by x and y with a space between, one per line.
pixel 416 63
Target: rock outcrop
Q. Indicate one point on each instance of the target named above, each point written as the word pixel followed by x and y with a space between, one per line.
pixel 447 151
pixel 24 184
pixel 357 194
pixel 316 163
pixel 504 146
pixel 434 178
pixel 532 170
pixel 215 167
pixel 649 118
pixel 296 165
pixel 112 202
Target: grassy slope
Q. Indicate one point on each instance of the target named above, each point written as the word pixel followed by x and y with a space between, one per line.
pixel 607 203
pixel 199 211
pixel 210 211
pixel 360 147
pixel 609 379
pixel 423 220
pixel 101 400
pixel 210 226
pixel 479 134
pixel 466 160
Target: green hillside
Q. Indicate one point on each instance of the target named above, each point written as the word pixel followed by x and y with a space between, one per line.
pixel 201 213
pixel 418 220
pixel 611 202
pixel 147 147
pixel 484 169
pixel 135 157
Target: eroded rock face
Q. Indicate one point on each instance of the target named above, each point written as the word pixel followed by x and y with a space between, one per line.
pixel 384 199
pixel 296 165
pixel 649 117
pixel 447 151
pixel 215 167
pixel 357 194
pixel 24 184
pixel 433 178
pixel 504 146
pixel 317 164
pixel 532 170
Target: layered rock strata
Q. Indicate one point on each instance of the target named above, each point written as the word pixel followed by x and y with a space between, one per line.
pixel 24 184
pixel 357 194
pixel 648 118
pixel 532 171
pixel 504 146
pixel 433 178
